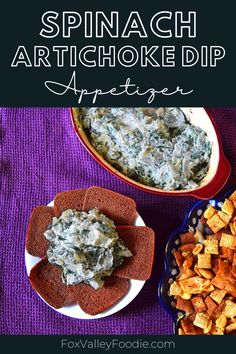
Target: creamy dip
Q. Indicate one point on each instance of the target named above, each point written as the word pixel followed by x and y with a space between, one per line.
pixel 157 147
pixel 86 246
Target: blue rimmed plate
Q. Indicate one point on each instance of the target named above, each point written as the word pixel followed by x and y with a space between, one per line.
pixel 191 223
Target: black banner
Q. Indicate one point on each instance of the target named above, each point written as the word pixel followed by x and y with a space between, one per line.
pixel 114 344
pixel 63 53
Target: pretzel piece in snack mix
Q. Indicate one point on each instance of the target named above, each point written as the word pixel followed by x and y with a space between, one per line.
pixel 205 288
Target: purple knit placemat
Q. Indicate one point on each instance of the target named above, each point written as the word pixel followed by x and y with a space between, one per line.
pixel 40 156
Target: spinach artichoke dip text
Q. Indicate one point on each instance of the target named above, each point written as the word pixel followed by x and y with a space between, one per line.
pixel 157 147
pixel 86 246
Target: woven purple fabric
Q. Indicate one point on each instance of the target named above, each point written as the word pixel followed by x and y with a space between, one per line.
pixel 40 156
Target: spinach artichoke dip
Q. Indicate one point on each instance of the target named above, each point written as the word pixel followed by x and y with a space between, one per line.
pixel 157 147
pixel 86 246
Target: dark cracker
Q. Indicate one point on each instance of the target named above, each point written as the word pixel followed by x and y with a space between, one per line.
pixel 187 326
pixel 187 237
pixel 36 243
pixel 72 199
pixel 94 301
pixel 119 208
pixel 211 305
pixel 45 278
pixel 178 258
pixel 184 305
pixel 140 240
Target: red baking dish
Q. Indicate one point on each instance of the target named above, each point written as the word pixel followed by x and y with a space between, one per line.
pixel 219 169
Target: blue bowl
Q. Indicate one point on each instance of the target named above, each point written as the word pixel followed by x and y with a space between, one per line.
pixel 191 222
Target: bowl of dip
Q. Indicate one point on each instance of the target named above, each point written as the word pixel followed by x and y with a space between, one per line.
pixel 174 151
pixel 85 252
pixel 74 310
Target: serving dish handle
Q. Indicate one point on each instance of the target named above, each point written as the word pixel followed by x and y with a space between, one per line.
pixel 222 173
pixel 218 181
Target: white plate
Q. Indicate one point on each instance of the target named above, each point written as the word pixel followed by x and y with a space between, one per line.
pixel 75 310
